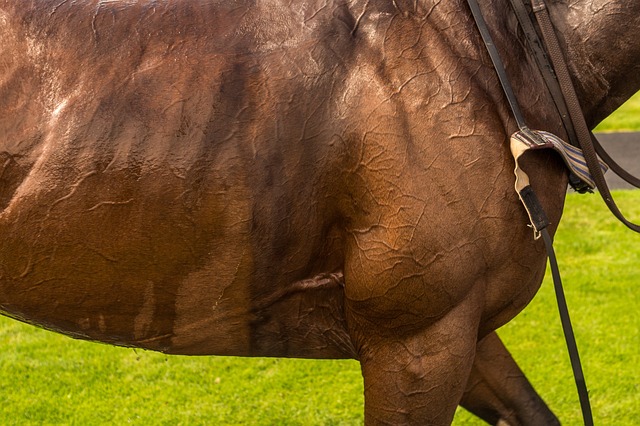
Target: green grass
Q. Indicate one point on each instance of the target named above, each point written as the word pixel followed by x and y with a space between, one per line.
pixel 51 379
pixel 624 119
pixel 46 378
pixel 600 265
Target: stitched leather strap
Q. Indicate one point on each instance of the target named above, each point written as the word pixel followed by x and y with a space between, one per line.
pixel 546 69
pixel 539 220
pixel 575 111
pixel 540 56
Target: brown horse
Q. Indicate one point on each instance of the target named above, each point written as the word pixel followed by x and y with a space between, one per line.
pixel 324 179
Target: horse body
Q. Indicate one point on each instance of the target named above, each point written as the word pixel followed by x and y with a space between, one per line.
pixel 325 180
pixel 229 196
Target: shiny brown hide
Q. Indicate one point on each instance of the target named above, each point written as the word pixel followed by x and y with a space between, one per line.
pixel 322 179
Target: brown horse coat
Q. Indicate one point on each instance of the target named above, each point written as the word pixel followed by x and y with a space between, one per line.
pixel 324 179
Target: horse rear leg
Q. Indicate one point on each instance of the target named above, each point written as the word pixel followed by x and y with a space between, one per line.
pixel 498 391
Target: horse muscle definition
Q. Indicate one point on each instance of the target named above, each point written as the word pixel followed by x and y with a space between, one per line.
pixel 326 179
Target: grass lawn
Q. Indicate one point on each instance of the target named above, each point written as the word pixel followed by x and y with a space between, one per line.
pixel 625 119
pixel 600 266
pixel 51 379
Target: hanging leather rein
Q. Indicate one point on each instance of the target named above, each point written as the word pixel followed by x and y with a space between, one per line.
pixel 586 169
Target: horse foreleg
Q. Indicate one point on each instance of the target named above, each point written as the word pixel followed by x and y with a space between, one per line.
pixel 418 377
pixel 498 391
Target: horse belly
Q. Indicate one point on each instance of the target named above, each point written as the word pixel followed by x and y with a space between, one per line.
pixel 171 263
pixel 126 261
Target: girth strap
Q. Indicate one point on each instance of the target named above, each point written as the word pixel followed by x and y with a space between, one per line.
pixel 572 156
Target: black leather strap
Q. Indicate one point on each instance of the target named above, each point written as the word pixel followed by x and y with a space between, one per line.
pixel 546 69
pixel 569 337
pixel 497 63
pixel 575 111
pixel 540 55
pixel 540 222
pixel 535 209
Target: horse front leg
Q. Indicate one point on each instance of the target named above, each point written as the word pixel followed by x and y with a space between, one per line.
pixel 498 391
pixel 417 377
